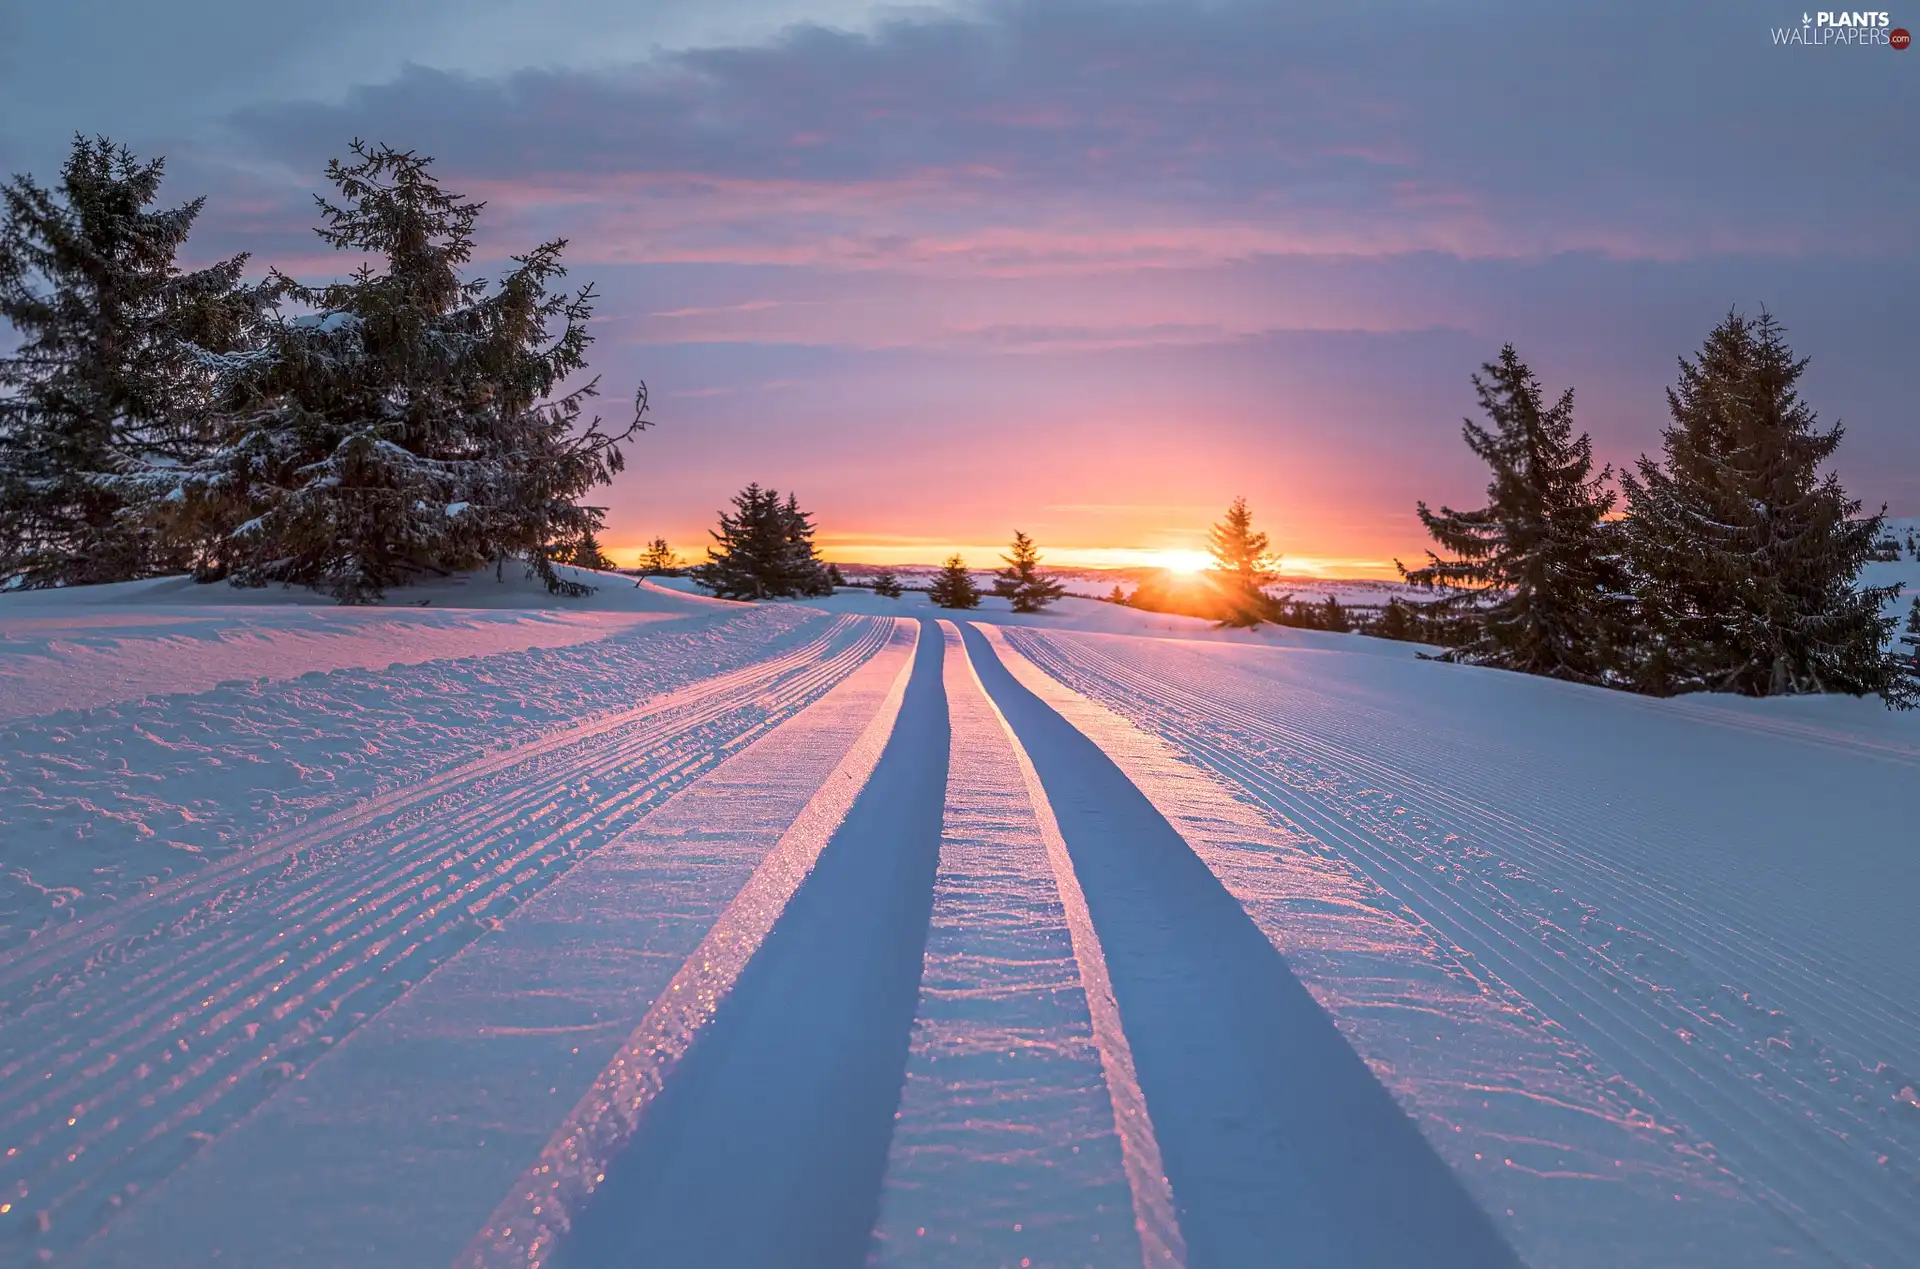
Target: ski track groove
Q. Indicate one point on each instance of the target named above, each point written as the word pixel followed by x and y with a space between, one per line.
pixel 1864 1212
pixel 559 1185
pixel 345 911
pixel 1156 1217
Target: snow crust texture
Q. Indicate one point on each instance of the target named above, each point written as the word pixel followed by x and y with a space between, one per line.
pixel 776 935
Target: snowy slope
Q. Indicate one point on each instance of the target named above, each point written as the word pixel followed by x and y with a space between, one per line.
pixel 1712 904
pixel 99 645
pixel 713 933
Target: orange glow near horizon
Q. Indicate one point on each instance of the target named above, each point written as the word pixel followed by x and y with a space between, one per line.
pixel 980 556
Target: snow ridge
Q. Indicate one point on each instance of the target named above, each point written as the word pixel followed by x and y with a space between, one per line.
pixel 198 1000
pixel 528 1225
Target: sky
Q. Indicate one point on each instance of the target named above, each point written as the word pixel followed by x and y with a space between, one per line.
pixel 1089 270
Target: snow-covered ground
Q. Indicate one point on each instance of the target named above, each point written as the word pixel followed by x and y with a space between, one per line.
pixel 651 929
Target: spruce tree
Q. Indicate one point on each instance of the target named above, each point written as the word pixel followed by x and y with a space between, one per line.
pixel 953 586
pixel 1535 568
pixel 764 550
pixel 407 422
pixel 104 378
pixel 886 584
pixel 1021 581
pixel 1334 617
pixel 834 579
pixel 1242 567
pixel 749 554
pixel 1118 596
pixel 658 557
pixel 1397 621
pixel 802 572
pixel 1745 558
pixel 589 555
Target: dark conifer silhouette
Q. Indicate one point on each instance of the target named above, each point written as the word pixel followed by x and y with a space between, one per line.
pixel 658 558
pixel 953 586
pixel 886 584
pixel 1536 567
pixel 763 550
pixel 589 555
pixel 1242 567
pixel 1021 581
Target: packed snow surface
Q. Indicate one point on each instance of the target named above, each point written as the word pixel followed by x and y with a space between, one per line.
pixel 650 929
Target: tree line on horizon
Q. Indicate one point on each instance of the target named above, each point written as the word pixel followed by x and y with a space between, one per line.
pixel 349 437
pixel 764 549
pixel 1733 566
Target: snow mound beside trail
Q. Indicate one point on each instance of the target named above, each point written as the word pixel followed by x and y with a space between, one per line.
pixel 90 646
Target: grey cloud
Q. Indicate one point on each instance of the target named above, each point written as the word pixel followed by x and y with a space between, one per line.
pixel 1637 129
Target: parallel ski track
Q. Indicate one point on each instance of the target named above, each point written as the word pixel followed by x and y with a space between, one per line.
pixel 193 1005
pixel 1757 1115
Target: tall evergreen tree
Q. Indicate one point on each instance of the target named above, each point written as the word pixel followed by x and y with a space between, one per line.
pixel 1021 581
pixel 407 422
pixel 1242 567
pixel 1536 566
pixel 1746 559
pixel 953 586
pixel 104 377
pixel 886 584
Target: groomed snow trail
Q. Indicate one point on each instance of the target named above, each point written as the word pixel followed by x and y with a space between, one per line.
pixel 767 1146
pixel 769 938
pixel 136 1037
pixel 99 806
pixel 1582 869
pixel 1277 1139
pixel 422 1119
pixel 1005 1150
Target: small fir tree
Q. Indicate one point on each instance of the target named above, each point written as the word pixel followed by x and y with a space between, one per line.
pixel 802 570
pixel 834 579
pixel 747 559
pixel 1242 567
pixel 1118 596
pixel 1746 559
pixel 763 550
pixel 1334 617
pixel 589 555
pixel 886 584
pixel 407 421
pixel 1021 582
pixel 104 378
pixel 1397 621
pixel 658 558
pixel 953 586
pixel 1535 567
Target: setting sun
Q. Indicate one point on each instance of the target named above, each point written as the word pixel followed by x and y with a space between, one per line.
pixel 1181 561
